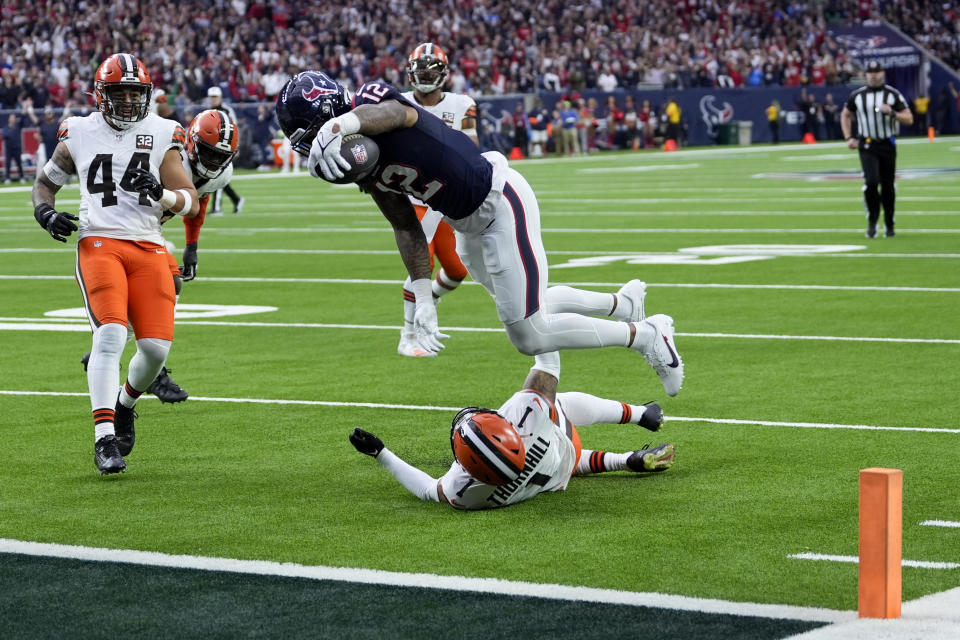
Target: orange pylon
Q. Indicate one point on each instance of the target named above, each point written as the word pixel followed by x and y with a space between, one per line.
pixel 670 145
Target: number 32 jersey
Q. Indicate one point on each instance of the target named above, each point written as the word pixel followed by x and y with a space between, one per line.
pixel 106 159
pixel 548 465
pixel 429 161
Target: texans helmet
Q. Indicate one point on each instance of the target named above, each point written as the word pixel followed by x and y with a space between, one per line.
pixel 305 103
pixel 487 446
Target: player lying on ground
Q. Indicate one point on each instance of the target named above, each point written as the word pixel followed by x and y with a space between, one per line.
pixel 490 206
pixel 528 446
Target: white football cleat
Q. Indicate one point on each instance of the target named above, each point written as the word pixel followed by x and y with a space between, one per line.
pixel 661 353
pixel 411 348
pixel 634 291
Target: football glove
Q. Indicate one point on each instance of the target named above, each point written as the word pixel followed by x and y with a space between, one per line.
pixel 325 155
pixel 365 442
pixel 426 327
pixel 57 223
pixel 146 183
pixel 188 270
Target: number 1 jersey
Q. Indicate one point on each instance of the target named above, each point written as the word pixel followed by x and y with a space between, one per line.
pixel 105 159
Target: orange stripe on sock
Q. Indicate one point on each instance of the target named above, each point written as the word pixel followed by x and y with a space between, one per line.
pixel 627 414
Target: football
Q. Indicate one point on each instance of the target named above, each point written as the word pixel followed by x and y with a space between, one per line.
pixel 362 153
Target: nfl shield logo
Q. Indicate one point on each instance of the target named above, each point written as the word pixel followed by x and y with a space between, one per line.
pixel 359 153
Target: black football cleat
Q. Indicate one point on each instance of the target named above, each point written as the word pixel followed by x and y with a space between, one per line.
pixel 652 417
pixel 107 456
pixel 123 419
pixel 659 458
pixel 85 360
pixel 166 389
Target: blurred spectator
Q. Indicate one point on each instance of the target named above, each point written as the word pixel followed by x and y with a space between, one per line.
pixel 520 129
pixel 12 147
pixel 539 118
pixel 569 139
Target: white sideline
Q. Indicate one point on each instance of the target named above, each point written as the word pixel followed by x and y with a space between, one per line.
pixel 426 580
pixel 932 617
pixel 414 407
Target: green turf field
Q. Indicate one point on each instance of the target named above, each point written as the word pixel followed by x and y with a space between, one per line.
pixel 810 351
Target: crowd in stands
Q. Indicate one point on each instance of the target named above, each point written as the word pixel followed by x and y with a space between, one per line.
pixel 50 49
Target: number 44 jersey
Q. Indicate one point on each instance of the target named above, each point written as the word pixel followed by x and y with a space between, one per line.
pixel 106 160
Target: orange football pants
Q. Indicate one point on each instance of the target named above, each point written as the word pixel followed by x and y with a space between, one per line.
pixel 444 246
pixel 127 282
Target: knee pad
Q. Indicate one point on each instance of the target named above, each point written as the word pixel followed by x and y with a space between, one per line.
pixel 528 335
pixel 109 340
pixel 154 349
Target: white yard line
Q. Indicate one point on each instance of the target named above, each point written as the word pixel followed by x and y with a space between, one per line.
pixel 425 580
pixel 914 564
pixel 67 324
pixel 414 407
pixel 665 285
pixel 940 523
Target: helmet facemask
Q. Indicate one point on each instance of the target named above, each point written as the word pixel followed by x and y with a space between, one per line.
pixel 427 73
pixel 118 107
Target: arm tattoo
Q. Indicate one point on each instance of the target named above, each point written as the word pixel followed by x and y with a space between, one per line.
pixel 411 242
pixel 380 118
pixel 45 191
pixel 543 383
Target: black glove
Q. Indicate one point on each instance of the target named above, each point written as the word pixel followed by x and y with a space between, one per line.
pixel 145 182
pixel 57 223
pixel 188 270
pixel 366 442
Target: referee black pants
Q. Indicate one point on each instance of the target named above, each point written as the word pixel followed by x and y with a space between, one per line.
pixel 879 162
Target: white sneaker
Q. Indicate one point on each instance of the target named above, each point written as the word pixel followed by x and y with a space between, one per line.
pixel 662 353
pixel 634 291
pixel 411 348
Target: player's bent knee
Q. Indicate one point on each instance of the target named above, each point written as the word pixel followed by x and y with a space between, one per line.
pixel 154 349
pixel 526 338
pixel 110 338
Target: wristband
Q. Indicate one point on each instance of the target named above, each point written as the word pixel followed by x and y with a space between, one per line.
pixel 423 290
pixel 187 203
pixel 349 123
pixel 168 199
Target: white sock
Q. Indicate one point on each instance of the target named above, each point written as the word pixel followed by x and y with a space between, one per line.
pixel 443 284
pixel 599 461
pixel 563 299
pixel 103 368
pixel 584 409
pixel 103 430
pixel 409 308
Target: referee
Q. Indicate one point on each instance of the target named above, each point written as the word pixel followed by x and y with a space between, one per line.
pixel 880 109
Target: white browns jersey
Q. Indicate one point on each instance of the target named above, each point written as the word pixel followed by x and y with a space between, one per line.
pixel 453 108
pixel 105 159
pixel 550 457
pixel 206 186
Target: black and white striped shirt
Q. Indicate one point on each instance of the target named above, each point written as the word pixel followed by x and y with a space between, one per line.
pixel 871 122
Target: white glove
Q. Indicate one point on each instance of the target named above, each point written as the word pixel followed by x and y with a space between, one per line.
pixel 426 328
pixel 325 152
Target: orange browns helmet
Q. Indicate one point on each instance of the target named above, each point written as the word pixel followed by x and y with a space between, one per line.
pixel 115 78
pixel 427 67
pixel 487 446
pixel 212 142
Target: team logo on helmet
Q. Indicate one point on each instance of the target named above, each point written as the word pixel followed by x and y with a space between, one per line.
pixel 487 446
pixel 315 92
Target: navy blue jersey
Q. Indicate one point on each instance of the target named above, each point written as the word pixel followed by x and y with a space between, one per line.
pixel 429 161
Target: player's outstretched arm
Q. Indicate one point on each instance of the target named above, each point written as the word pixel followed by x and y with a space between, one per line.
pixel 374 119
pixel 49 180
pixel 174 177
pixel 417 482
pixel 415 253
